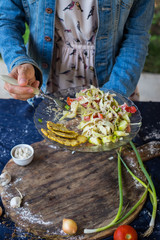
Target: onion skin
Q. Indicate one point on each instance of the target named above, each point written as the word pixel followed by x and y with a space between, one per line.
pixel 69 226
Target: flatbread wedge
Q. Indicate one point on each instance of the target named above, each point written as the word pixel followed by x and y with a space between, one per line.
pixel 70 134
pixel 57 127
pixel 82 139
pixel 65 141
pixel 61 134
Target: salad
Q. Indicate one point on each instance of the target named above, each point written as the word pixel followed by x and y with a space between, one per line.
pixel 102 119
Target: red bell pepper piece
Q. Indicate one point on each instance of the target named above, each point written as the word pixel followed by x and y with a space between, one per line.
pixel 70 100
pixel 131 109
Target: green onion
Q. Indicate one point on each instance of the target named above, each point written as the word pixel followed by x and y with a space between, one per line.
pixel 113 223
pixel 133 208
pixel 134 176
pixel 65 115
pixel 40 120
pixel 154 196
pixel 120 202
pixel 67 107
pixel 149 188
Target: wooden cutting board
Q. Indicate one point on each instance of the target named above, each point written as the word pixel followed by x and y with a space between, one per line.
pixel 82 186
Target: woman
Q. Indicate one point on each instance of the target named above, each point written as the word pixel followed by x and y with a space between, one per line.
pixel 76 43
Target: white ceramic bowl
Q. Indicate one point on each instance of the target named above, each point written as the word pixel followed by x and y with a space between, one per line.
pixel 21 149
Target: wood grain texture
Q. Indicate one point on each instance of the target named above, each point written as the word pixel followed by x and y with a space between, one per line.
pixel 82 186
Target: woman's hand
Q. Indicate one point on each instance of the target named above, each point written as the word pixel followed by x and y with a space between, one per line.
pixel 25 75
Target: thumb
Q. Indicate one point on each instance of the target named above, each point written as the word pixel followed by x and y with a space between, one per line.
pixel 23 77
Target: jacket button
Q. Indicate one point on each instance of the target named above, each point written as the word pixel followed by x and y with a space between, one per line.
pixel 49 10
pixel 48 39
pixel 44 65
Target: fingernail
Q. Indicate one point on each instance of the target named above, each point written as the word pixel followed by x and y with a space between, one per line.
pixel 22 80
pixel 30 90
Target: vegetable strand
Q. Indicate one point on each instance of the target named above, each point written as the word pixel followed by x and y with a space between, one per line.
pixel 134 176
pixel 133 208
pixel 154 196
pixel 120 202
pixel 148 188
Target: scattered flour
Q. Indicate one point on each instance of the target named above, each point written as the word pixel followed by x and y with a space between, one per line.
pixel 155 133
pixel 152 149
pixel 25 214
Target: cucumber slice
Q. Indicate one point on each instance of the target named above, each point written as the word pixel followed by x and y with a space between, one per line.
pixel 95 140
pixel 122 125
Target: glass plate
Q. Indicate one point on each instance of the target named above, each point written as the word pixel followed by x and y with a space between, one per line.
pixel 47 110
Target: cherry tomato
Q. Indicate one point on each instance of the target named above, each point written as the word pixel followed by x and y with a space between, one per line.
pixel 85 104
pixel 131 109
pixel 95 115
pixel 70 100
pixel 124 106
pixel 87 118
pixel 100 115
pixel 97 101
pixel 125 232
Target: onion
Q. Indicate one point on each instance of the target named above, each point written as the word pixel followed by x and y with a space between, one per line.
pixel 5 178
pixel 15 202
pixel 69 226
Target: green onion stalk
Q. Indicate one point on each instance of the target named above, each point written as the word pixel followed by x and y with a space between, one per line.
pixel 149 188
pixel 153 195
pixel 120 202
pixel 134 176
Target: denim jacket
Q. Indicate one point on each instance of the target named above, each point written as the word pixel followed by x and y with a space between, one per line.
pixel 121 42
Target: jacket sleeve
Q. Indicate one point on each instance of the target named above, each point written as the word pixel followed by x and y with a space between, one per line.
pixel 133 49
pixel 12 29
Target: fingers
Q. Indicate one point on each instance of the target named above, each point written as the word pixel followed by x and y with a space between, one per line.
pixel 25 75
pixel 18 92
pixel 36 84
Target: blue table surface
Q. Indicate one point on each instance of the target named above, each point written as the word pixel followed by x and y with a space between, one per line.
pixel 17 126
